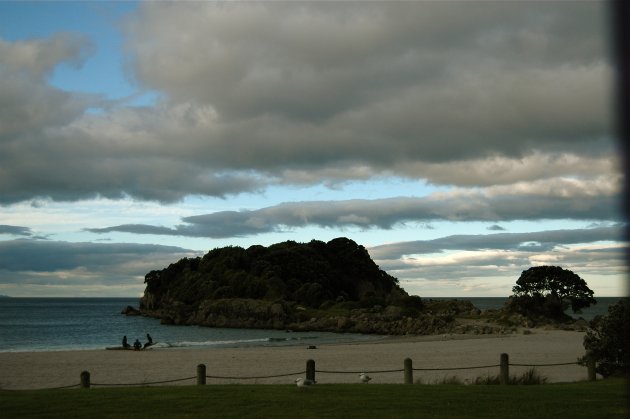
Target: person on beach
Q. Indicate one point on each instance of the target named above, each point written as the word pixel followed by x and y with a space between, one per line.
pixel 137 345
pixel 125 344
pixel 149 341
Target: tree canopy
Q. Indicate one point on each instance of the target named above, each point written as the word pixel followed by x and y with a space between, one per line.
pixel 306 273
pixel 550 290
pixel 608 340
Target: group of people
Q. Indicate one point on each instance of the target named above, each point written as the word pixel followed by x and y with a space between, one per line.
pixel 137 345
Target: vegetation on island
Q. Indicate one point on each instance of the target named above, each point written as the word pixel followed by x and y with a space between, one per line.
pixel 309 274
pixel 333 286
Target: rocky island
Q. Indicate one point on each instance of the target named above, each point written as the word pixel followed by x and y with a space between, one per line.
pixel 315 286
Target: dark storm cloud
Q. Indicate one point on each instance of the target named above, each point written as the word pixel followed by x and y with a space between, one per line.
pixel 385 82
pixel 317 59
pixel 55 268
pixel 15 230
pixel 258 94
pixel 134 229
pixel 541 242
pixel 51 256
pixel 552 201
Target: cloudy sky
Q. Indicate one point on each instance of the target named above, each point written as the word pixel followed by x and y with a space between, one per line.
pixel 460 142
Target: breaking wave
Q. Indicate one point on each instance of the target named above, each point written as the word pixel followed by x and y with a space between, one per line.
pixel 271 341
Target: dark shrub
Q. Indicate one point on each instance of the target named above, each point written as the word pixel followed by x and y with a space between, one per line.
pixel 608 340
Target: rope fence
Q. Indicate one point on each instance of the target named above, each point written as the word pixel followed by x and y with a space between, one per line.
pixel 260 377
pixel 545 365
pixel 456 368
pixel 311 371
pixel 47 388
pixel 144 383
pixel 360 372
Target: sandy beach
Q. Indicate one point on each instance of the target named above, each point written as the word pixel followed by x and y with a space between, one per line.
pixel 35 370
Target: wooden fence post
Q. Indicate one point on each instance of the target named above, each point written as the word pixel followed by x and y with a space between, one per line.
pixel 504 374
pixel 85 379
pixel 201 375
pixel 408 371
pixel 590 365
pixel 310 370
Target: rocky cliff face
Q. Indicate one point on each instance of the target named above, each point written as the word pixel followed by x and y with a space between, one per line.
pixel 389 320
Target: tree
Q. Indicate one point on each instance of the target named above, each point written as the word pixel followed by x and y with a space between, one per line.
pixel 549 291
pixel 608 340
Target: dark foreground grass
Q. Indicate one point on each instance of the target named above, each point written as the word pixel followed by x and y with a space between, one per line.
pixel 602 399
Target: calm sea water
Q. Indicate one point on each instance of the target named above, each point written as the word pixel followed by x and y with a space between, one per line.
pixel 50 324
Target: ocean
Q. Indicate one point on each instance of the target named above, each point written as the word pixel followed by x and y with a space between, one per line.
pixel 53 324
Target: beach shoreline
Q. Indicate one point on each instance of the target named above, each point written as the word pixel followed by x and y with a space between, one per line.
pixel 283 364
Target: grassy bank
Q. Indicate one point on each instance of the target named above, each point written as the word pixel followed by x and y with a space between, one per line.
pixel 600 399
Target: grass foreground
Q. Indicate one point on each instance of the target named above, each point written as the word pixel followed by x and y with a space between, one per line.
pixel 601 399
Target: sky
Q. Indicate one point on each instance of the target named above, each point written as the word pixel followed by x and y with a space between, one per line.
pixel 460 142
